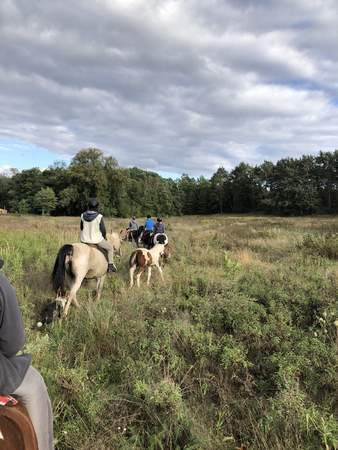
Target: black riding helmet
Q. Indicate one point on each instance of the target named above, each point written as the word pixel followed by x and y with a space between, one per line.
pixel 159 219
pixel 93 203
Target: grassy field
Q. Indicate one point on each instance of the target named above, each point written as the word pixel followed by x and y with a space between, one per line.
pixel 237 349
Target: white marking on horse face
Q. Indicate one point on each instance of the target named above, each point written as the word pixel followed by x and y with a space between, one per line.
pixel 61 301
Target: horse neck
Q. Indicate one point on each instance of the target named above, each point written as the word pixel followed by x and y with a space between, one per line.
pixel 111 237
pixel 157 250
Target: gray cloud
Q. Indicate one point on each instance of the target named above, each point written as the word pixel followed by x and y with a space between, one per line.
pixel 170 85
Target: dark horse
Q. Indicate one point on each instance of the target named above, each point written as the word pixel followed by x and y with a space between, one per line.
pixel 16 429
pixel 149 240
pixel 143 238
pixel 133 235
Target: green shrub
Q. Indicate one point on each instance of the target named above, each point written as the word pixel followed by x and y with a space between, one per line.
pixel 325 245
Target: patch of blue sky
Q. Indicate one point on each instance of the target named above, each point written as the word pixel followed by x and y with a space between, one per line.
pixel 173 175
pixel 297 83
pixel 24 155
pixel 18 154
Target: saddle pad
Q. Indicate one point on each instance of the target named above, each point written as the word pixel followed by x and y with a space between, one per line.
pixel 7 400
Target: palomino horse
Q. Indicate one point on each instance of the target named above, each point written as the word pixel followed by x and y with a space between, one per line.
pixel 142 258
pixel 116 241
pixel 16 429
pixel 73 264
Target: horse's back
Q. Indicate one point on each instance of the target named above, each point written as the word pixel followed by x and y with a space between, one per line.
pixel 16 429
pixel 89 259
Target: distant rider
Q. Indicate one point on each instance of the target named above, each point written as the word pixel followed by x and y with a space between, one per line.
pixel 132 227
pixel 148 230
pixel 149 224
pixel 159 226
pixel 93 231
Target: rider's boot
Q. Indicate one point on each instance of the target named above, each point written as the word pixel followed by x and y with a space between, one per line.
pixel 111 268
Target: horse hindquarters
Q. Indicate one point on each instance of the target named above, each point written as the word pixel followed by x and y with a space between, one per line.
pixel 17 429
pixel 64 257
pixel 137 261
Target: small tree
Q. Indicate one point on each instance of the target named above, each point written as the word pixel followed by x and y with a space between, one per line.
pixel 45 200
pixel 23 207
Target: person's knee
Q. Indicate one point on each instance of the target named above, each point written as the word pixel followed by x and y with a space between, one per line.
pixel 37 385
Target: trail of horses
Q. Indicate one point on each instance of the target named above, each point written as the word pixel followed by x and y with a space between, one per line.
pixel 236 348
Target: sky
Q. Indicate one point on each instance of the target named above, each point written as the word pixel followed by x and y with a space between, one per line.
pixel 173 86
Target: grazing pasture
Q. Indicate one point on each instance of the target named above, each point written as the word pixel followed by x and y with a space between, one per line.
pixel 236 349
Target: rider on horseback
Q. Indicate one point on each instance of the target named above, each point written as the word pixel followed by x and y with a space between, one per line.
pixel 148 230
pixel 17 376
pixel 93 231
pixel 159 226
pixel 132 227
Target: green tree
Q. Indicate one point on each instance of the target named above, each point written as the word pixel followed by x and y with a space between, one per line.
pixel 89 174
pixel 202 205
pixel 24 186
pixel 23 207
pixel 188 188
pixel 45 200
pixel 294 188
pixel 5 186
pixel 326 170
pixel 218 194
pixel 68 199
pixel 245 188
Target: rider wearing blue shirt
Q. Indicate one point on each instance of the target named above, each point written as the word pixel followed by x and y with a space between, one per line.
pixel 149 224
pixel 148 231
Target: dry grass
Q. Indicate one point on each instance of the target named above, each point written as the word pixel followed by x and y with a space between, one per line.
pixel 232 328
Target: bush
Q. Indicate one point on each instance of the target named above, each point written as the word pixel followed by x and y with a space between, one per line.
pixel 325 245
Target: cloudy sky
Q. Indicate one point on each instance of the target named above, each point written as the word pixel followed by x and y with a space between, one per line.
pixel 167 85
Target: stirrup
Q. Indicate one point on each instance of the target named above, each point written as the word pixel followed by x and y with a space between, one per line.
pixel 111 268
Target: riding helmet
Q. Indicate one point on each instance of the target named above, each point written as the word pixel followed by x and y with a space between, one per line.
pixel 93 203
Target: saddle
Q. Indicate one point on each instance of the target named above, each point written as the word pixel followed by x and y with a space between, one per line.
pixel 16 429
pixel 100 249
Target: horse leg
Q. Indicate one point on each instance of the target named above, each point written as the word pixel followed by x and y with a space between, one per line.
pixel 138 276
pixel 161 271
pixel 72 295
pixel 99 286
pixel 149 275
pixel 131 275
pixel 65 311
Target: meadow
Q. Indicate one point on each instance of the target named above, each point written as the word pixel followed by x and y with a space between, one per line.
pixel 237 349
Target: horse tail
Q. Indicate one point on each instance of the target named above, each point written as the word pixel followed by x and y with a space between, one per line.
pixel 133 259
pixel 60 269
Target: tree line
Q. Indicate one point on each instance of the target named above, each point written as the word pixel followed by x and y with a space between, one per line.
pixel 290 186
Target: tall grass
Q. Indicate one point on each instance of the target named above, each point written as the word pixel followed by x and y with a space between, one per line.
pixel 236 348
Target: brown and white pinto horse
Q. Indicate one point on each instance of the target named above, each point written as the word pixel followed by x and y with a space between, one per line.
pixel 142 258
pixel 16 429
